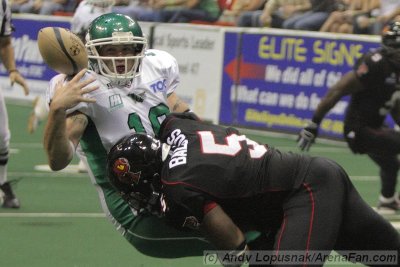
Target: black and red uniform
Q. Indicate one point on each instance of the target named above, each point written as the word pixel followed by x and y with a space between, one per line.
pixel 308 202
pixel 364 126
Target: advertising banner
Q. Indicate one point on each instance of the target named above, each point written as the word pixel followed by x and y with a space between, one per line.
pixel 276 81
pixel 199 54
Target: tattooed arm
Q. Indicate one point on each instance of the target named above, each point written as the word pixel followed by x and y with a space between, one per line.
pixel 63 132
pixel 62 135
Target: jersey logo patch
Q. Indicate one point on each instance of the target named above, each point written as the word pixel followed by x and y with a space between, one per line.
pixel 191 222
pixel 115 101
pixel 159 86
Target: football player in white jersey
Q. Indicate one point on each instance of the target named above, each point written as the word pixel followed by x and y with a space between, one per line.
pixel 129 89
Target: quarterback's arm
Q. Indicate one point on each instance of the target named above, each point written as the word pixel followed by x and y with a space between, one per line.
pixel 176 104
pixel 63 132
pixel 347 85
pixel 222 232
pixel 62 135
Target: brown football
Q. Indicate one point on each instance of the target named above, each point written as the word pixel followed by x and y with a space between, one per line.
pixel 62 50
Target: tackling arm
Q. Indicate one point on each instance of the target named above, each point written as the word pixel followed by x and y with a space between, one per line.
pixel 223 233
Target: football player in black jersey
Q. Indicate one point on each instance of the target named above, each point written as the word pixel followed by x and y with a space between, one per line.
pixel 212 178
pixel 374 87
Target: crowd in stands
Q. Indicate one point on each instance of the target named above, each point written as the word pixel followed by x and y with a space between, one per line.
pixel 341 16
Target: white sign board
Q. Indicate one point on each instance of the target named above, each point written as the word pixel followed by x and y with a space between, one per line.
pixel 199 52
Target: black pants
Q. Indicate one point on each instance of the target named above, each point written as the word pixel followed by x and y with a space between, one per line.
pixel 382 145
pixel 328 213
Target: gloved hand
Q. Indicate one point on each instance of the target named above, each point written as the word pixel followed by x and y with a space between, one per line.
pixel 307 136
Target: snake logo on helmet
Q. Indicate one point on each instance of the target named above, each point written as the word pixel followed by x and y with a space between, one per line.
pixel 391 35
pixel 115 29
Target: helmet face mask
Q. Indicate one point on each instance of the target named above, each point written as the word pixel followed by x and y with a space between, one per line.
pixel 133 167
pixel 391 35
pixel 120 31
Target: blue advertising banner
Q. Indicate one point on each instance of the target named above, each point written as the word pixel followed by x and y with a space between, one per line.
pixel 276 81
pixel 28 59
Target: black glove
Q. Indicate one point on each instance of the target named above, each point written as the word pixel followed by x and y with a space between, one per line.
pixel 307 136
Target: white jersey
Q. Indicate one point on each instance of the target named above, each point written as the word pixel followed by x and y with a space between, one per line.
pixel 117 112
pixel 138 107
pixel 84 15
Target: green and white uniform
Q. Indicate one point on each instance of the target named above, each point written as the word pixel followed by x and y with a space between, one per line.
pixel 117 112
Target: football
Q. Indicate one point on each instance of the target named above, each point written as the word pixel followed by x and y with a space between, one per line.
pixel 62 50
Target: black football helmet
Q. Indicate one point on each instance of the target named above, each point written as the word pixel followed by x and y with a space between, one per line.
pixel 391 35
pixel 133 167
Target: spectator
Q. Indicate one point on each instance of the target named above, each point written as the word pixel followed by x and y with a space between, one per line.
pixel 141 10
pixel 313 19
pixel 183 11
pixel 274 13
pixel 374 22
pixel 342 20
pixel 45 7
pixel 239 7
pixel 86 12
pixel 16 5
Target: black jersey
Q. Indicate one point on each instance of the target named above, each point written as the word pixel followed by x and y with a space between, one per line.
pixel 380 78
pixel 213 163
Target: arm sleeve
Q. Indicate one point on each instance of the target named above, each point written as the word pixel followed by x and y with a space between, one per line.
pixel 185 208
pixel 172 72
